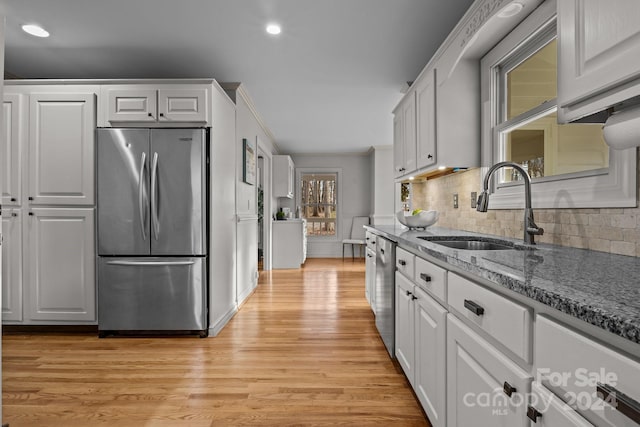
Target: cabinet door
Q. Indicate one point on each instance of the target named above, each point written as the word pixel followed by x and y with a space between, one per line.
pixel 430 325
pixel 599 46
pixel 182 105
pixel 59 265
pixel 426 121
pixel 291 181
pixel 398 144
pixel 11 149
pixel 409 113
pixel 476 377
pixel 61 145
pixel 11 265
pixel 132 105
pixel 404 325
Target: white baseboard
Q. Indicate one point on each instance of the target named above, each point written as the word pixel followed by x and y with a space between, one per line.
pixel 220 324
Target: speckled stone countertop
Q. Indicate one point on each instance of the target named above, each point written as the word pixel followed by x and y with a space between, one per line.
pixel 599 288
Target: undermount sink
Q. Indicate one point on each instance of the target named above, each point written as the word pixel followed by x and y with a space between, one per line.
pixel 470 243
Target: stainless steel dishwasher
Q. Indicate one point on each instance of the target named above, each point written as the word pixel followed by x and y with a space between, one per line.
pixel 385 291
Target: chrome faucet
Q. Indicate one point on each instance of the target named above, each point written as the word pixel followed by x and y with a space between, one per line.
pixel 530 227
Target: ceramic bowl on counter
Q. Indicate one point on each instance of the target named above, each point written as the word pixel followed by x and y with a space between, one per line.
pixel 423 219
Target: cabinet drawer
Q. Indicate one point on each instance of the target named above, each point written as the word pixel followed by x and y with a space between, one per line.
pixel 571 365
pixel 505 320
pixel 431 278
pixel 370 239
pixel 405 262
pixel 549 410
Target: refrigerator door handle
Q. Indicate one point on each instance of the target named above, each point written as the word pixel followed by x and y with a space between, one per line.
pixel 150 263
pixel 155 224
pixel 141 202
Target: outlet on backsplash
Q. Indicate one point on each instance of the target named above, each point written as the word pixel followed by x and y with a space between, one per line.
pixel 474 199
pixel 455 200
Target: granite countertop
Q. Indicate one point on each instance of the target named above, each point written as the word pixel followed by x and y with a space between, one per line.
pixel 597 287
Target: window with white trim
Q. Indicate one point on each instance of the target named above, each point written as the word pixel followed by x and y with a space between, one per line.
pixel 319 202
pixel 570 164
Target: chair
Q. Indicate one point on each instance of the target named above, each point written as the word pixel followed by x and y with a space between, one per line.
pixel 357 235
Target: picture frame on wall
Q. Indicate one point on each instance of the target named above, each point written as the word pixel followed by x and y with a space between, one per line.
pixel 248 162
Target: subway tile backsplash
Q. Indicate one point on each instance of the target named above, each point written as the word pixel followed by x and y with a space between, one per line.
pixel 607 230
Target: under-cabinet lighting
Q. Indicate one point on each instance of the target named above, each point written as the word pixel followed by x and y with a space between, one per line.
pixel 274 29
pixel 411 178
pixel 442 168
pixel 35 30
pixel 510 10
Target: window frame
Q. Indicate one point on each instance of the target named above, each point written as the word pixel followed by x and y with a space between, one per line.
pixel 337 237
pixel 614 186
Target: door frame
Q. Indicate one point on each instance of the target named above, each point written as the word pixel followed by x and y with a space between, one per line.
pixel 266 198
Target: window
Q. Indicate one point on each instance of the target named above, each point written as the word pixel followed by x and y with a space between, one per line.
pixel 570 164
pixel 319 202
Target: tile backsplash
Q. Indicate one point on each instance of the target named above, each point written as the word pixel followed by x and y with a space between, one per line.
pixel 607 230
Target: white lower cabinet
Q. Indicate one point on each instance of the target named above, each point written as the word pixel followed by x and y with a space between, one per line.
pixel 289 243
pixel 430 323
pixel 12 265
pixel 404 325
pixel 59 265
pixel 548 410
pixel 421 346
pixel 484 387
pixel 370 278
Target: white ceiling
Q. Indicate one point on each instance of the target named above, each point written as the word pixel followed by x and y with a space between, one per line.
pixel 328 83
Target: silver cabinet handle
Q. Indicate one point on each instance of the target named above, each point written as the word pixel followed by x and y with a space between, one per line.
pixel 150 263
pixel 154 197
pixel 141 204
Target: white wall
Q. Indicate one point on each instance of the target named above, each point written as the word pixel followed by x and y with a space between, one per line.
pixel 356 186
pixel 248 126
pixel 382 202
pixel 222 206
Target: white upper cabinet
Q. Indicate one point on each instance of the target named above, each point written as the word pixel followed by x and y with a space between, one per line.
pixel 11 149
pixel 283 176
pixel 154 105
pixel 132 105
pixel 426 121
pixel 598 51
pixel 61 147
pixel 404 142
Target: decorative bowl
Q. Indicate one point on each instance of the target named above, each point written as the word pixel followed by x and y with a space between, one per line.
pixel 422 220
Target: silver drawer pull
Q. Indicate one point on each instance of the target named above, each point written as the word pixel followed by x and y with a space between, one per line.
pixel 620 401
pixel 150 263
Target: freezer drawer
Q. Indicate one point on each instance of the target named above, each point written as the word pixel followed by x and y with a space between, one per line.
pixel 152 294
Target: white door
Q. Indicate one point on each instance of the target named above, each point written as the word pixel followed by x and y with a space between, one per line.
pixel 61 147
pixel 599 46
pixel 479 379
pixel 59 260
pixel 404 325
pixel 426 121
pixel 430 326
pixel 182 105
pixel 132 105
pixel 11 149
pixel 11 265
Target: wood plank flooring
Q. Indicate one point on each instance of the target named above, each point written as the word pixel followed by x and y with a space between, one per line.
pixel 302 351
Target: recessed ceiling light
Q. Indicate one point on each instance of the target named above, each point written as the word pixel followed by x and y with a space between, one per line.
pixel 35 30
pixel 510 10
pixel 274 29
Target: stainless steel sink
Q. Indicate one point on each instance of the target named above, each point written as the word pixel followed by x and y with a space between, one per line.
pixel 470 243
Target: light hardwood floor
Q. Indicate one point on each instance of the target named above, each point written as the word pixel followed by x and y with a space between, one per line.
pixel 302 351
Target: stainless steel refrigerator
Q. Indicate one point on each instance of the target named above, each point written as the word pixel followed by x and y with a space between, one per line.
pixel 152 230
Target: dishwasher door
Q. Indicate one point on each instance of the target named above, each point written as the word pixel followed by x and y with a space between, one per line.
pixel 385 291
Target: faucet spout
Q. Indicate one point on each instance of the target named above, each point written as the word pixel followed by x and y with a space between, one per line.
pixel 530 227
